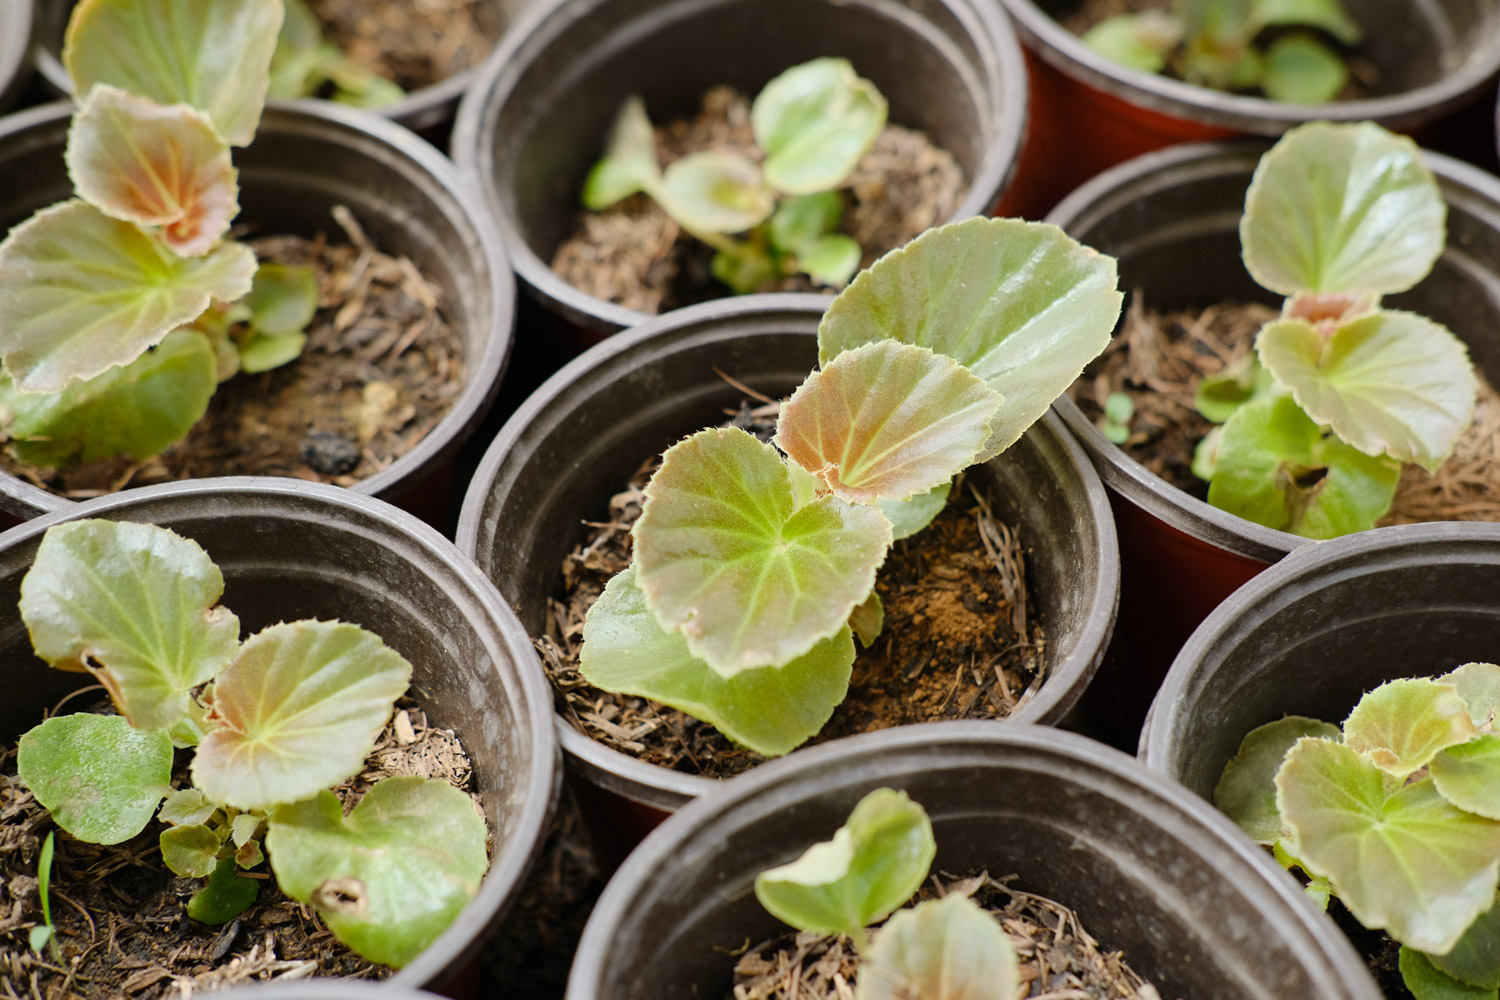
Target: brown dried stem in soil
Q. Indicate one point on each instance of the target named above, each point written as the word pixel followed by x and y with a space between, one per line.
pixel 1059 960
pixel 414 43
pixel 121 914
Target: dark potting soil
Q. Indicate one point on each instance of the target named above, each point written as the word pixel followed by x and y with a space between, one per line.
pixel 1159 360
pixel 414 43
pixel 961 637
pixel 381 368
pixel 121 914
pixel 1058 957
pixel 632 254
pixel 1381 952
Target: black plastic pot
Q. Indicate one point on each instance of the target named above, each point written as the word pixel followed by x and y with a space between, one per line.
pixel 306 158
pixel 291 550
pixel 342 989
pixel 579 438
pixel 535 121
pixel 1089 113
pixel 15 32
pixel 1171 218
pixel 1150 870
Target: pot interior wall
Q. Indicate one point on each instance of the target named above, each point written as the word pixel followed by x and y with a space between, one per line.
pixel 552 127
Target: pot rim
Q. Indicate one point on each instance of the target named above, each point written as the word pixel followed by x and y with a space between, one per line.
pixel 1125 474
pixel 509 861
pixel 1066 51
pixel 864 756
pixel 544 23
pixel 333 122
pixel 664 788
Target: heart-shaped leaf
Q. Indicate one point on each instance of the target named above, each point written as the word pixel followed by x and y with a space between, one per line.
pixel 1342 208
pixel 225 897
pixel 392 876
pixel 1246 791
pixel 134 604
pixel 214 56
pixel 629 163
pixel 1478 685
pixel 1427 982
pixel 81 292
pixel 868 619
pixel 873 864
pixel 815 121
pixel 1300 69
pixel 1276 467
pixel 99 777
pixel 916 512
pixel 1019 304
pixel 159 166
pixel 723 557
pixel 188 807
pixel 715 192
pixel 1468 775
pixel 1475 960
pixel 297 711
pixel 887 421
pixel 1403 724
pixel 943 949
pixel 771 710
pixel 139 410
pixel 1400 857
pixel 1391 383
pixel 190 851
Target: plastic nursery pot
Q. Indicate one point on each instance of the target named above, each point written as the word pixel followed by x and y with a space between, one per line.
pixel 581 436
pixel 1172 219
pixel 340 989
pixel 431 107
pixel 291 550
pixel 1151 871
pixel 1088 113
pixel 306 158
pixel 536 120
pixel 15 33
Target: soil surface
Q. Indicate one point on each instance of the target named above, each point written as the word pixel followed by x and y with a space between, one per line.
pixel 414 43
pixel 632 254
pixel 1059 959
pixel 121 914
pixel 961 637
pixel 381 368
pixel 1159 360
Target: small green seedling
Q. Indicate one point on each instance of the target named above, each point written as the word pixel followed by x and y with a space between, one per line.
pixel 276 721
pixel 813 122
pixel 44 935
pixel 307 65
pixel 1397 813
pixel 116 322
pixel 1222 44
pixel 946 947
pixel 1119 408
pixel 1341 390
pixel 754 564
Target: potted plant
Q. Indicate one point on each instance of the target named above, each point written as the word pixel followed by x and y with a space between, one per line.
pixel 1164 880
pixel 1089 112
pixel 539 117
pixel 1173 218
pixel 15 29
pixel 1311 636
pixel 284 549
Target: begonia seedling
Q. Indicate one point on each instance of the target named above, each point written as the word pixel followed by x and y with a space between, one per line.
pixel 276 720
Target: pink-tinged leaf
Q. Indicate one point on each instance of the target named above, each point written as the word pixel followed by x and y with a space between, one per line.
pixel 159 166
pixel 725 558
pixel 81 292
pixel 297 711
pixel 886 421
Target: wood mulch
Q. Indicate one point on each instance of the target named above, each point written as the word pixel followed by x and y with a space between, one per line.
pixel 414 43
pixel 632 254
pixel 961 639
pixel 121 914
pixel 1159 359
pixel 381 368
pixel 1059 959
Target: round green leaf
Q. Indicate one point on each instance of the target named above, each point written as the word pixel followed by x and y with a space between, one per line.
pixel 1137 41
pixel 886 421
pixel 830 261
pixel 297 711
pixel 1403 724
pixel 100 778
pixel 81 293
pixel 226 895
pixel 1019 304
pixel 1329 15
pixel 283 299
pixel 1246 791
pixel 943 949
pixel 262 353
pixel 1342 208
pixel 1400 857
pixel 135 605
pixel 1299 69
pixel 771 710
pixel 190 851
pixel 800 222
pixel 873 864
pixel 392 876
pixel 723 557
pixel 814 122
pixel 1390 383
pixel 1426 981
pixel 916 512
pixel 629 163
pixel 214 56
pixel 188 807
pixel 1475 960
pixel 1468 775
pixel 715 192
pixel 1478 685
